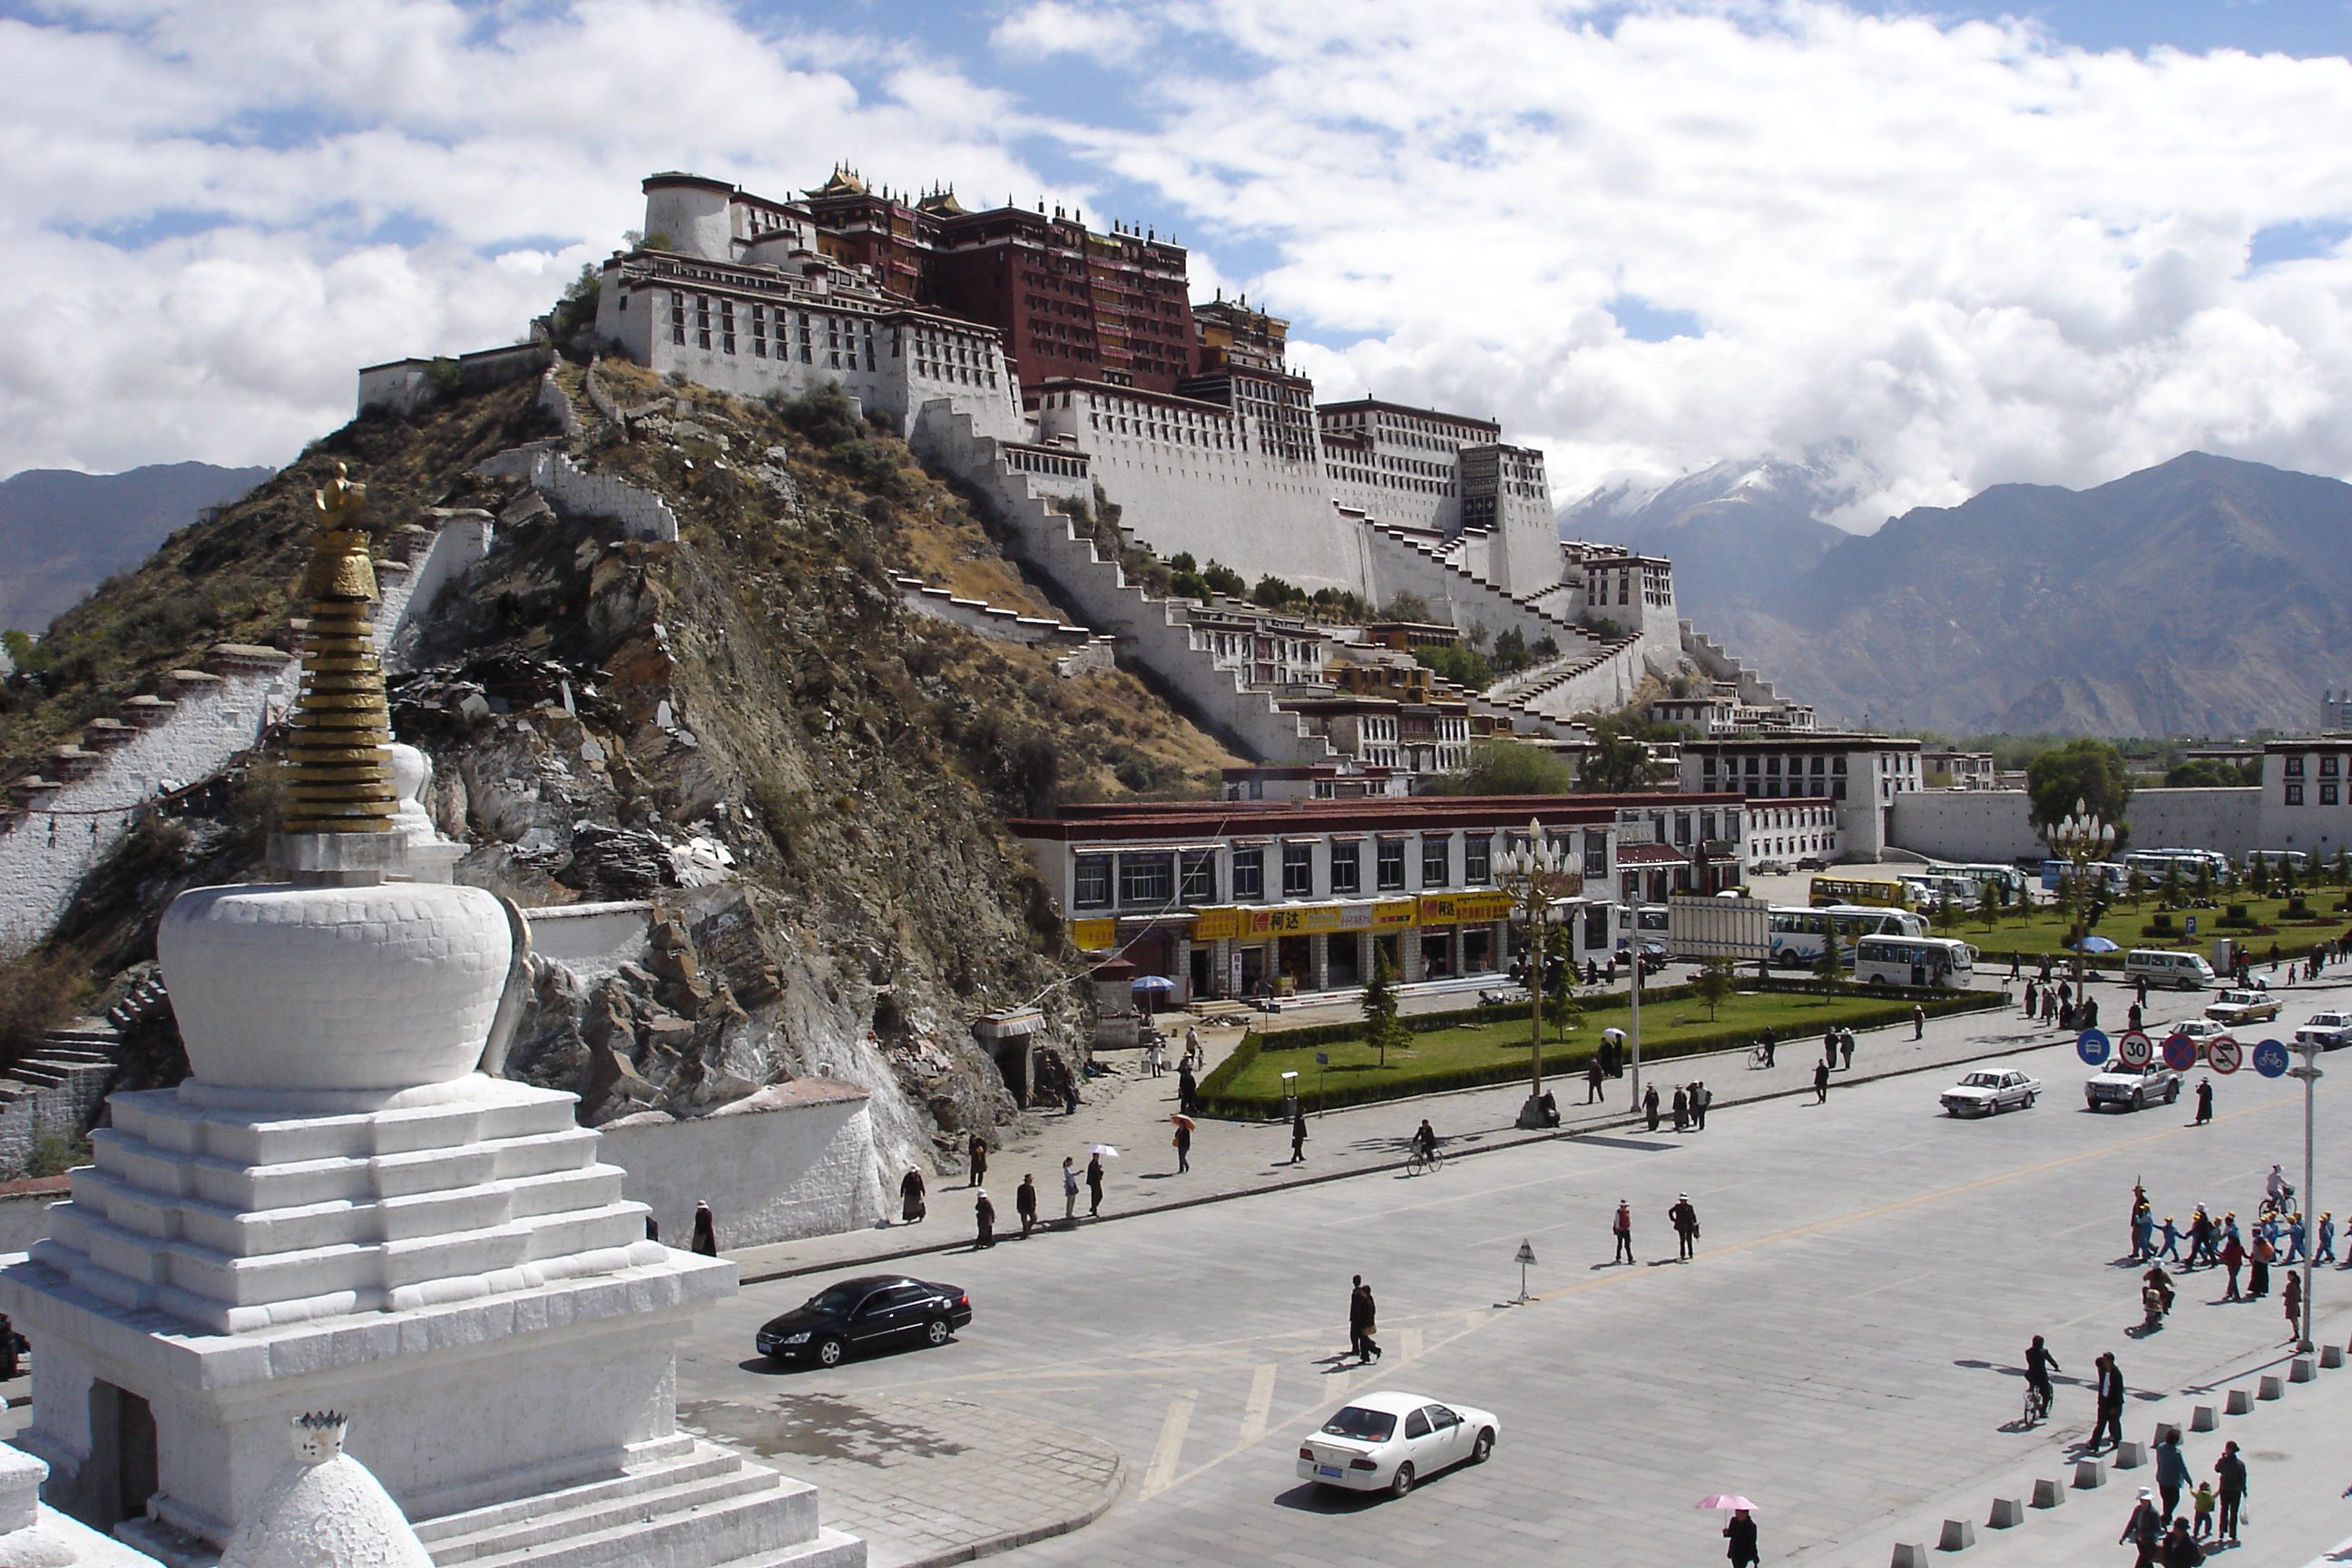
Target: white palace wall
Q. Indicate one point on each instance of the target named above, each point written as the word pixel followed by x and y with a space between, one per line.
pixel 792 1160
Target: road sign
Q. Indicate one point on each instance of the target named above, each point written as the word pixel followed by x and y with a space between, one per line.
pixel 1322 1059
pixel 2225 1055
pixel 2270 1058
pixel 2091 1046
pixel 1527 1253
pixel 2179 1053
pixel 2133 1050
pixel 2193 925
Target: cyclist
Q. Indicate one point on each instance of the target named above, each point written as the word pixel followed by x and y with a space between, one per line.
pixel 2039 1364
pixel 1424 1140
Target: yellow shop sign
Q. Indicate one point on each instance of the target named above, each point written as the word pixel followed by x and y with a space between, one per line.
pixel 1315 920
pixel 1216 924
pixel 1463 909
pixel 1093 936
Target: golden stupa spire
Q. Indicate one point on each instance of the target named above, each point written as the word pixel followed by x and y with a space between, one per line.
pixel 339 763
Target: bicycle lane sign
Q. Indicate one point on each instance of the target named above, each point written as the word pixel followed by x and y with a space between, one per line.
pixel 2224 1054
pixel 2270 1058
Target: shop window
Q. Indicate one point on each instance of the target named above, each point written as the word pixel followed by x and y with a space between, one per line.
pixel 1392 865
pixel 1347 869
pixel 1298 870
pixel 1147 879
pixel 1249 874
pixel 1436 860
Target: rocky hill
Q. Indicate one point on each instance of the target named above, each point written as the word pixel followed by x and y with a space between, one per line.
pixel 62 533
pixel 747 727
pixel 2204 595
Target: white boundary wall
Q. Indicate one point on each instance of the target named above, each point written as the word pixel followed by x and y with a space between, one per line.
pixel 792 1160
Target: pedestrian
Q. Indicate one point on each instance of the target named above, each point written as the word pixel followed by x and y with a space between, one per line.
pixel 1919 1022
pixel 1741 1533
pixel 976 1156
pixel 2295 1237
pixel 706 1232
pixel 2107 1388
pixel 1845 1049
pixel 2291 1297
pixel 2259 1259
pixel 2132 1017
pixel 2201 1504
pixel 1183 1141
pixel 1188 1089
pixel 1698 1106
pixel 2231 1471
pixel 2176 1550
pixel 1682 1108
pixel 2140 993
pixel 1024 1203
pixel 1650 1106
pixel 2143 1237
pixel 1830 1045
pixel 2171 1470
pixel 1094 1185
pixel 1820 1083
pixel 2233 1258
pixel 1685 1223
pixel 1592 1082
pixel 1069 1189
pixel 2015 962
pixel 2144 1530
pixel 2032 1000
pixel 910 1197
pixel 1298 1137
pixel 2204 1100
pixel 2171 1245
pixel 1622 1228
pixel 2326 1253
pixel 1070 1095
pixel 1363 1322
pixel 984 1219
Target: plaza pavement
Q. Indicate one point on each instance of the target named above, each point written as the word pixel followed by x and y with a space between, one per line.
pixel 1844 1348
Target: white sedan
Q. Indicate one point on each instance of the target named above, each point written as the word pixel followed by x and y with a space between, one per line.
pixel 1384 1442
pixel 1990 1091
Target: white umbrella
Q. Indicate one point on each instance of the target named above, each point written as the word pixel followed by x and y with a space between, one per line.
pixel 1105 1149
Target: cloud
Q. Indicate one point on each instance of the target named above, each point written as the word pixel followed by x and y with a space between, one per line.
pixel 1108 34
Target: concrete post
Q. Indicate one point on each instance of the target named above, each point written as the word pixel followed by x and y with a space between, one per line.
pixel 1958 1536
pixel 2048 1493
pixel 2008 1513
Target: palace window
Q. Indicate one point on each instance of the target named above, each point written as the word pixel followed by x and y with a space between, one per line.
pixel 2294 794
pixel 2330 766
pixel 1391 865
pixel 1477 859
pixel 1347 869
pixel 2327 793
pixel 727 326
pixel 1200 869
pixel 678 318
pixel 1090 883
pixel 1596 854
pixel 2294 767
pixel 760 331
pixel 1436 859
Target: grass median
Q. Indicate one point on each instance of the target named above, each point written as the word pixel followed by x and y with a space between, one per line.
pixel 2044 930
pixel 1248 1085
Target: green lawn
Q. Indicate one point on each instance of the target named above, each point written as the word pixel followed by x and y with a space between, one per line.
pixel 1494 1053
pixel 2044 930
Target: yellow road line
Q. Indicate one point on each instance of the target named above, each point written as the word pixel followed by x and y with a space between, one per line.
pixel 1261 1400
pixel 1171 1447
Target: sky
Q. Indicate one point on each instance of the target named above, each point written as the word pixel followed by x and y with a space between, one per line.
pixel 1926 247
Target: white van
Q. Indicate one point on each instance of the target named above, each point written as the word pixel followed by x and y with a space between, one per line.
pixel 2185 970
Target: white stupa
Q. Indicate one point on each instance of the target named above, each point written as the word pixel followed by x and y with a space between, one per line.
pixel 324 1510
pixel 341 1210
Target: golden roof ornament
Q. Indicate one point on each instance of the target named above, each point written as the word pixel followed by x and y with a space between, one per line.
pixel 338 762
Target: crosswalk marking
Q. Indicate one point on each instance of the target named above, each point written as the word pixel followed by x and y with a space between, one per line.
pixel 1409 1343
pixel 1165 1453
pixel 1261 1400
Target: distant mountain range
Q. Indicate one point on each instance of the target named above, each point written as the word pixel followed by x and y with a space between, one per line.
pixel 2204 595
pixel 61 533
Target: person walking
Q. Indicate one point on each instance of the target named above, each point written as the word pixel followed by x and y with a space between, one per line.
pixel 2171 1470
pixel 2291 1298
pixel 976 1156
pixel 2144 1530
pixel 1682 1108
pixel 1364 1322
pixel 2032 1000
pixel 1650 1106
pixel 2233 1258
pixel 2326 1250
pixel 1919 1022
pixel 1622 1228
pixel 1069 1189
pixel 1188 1089
pixel 1024 1203
pixel 1298 1137
pixel 1685 1223
pixel 1593 1081
pixel 2201 1505
pixel 984 1219
pixel 2107 1388
pixel 1741 1533
pixel 2231 1471
pixel 1094 1186
pixel 1820 1083
pixel 1183 1141
pixel 1845 1049
pixel 2171 1245
pixel 706 1232
pixel 2259 1259
pixel 1771 1044
pixel 910 1197
pixel 2176 1549
pixel 1698 1098
pixel 2204 1101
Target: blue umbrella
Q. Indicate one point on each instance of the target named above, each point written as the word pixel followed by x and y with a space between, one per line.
pixel 1152 983
pixel 2099 945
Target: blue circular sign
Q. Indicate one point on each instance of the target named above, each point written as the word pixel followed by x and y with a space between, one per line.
pixel 2270 1058
pixel 2091 1046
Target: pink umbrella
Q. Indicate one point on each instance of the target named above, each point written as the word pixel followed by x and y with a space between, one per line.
pixel 1728 1502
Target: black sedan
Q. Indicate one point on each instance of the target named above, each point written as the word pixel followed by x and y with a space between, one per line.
pixel 866 1313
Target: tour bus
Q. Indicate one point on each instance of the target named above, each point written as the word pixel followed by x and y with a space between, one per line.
pixel 1886 894
pixel 2277 859
pixel 1915 961
pixel 2106 876
pixel 1797 935
pixel 2157 865
pixel 1932 892
pixel 2010 879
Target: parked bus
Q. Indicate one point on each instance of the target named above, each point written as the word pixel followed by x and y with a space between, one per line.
pixel 1797 935
pixel 2157 865
pixel 2277 859
pixel 1885 894
pixel 2106 876
pixel 1915 961
pixel 2010 879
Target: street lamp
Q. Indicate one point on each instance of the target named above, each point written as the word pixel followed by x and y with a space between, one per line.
pixel 2310 1074
pixel 1533 875
pixel 2081 839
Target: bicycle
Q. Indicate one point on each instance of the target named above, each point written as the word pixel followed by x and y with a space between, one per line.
pixel 2278 1207
pixel 2037 1403
pixel 1421 1161
pixel 1759 1057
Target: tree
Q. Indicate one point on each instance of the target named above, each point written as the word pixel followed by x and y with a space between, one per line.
pixel 1271 593
pixel 1560 1006
pixel 2344 866
pixel 1411 607
pixel 1508 767
pixel 1829 968
pixel 2261 877
pixel 1991 897
pixel 1713 985
pixel 1615 763
pixel 1510 655
pixel 1463 666
pixel 2211 773
pixel 2085 772
pixel 1224 580
pixel 1383 1027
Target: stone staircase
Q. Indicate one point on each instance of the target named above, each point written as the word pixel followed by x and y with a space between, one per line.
pixel 680 1503
pixel 1552 690
pixel 1475 600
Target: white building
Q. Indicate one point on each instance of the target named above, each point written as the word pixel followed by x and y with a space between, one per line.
pixel 1861 776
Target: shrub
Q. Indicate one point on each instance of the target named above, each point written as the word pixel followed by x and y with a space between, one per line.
pixel 822 414
pixel 872 467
